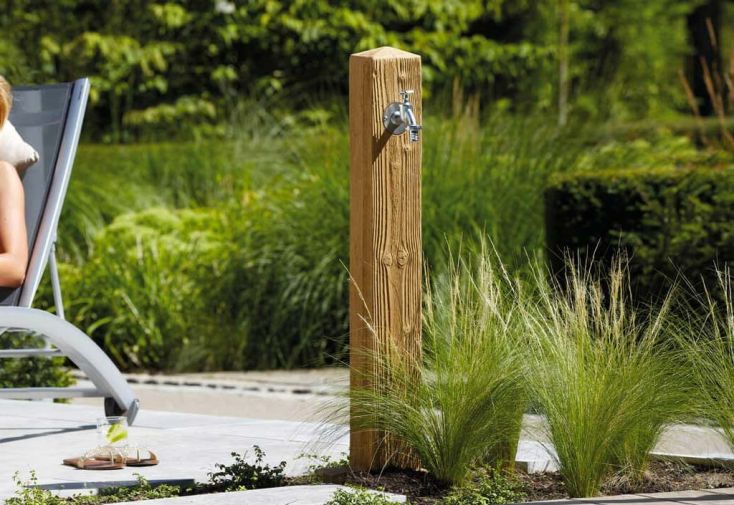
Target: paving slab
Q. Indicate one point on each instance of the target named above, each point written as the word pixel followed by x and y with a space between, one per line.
pixel 712 499
pixel 237 402
pixel 37 436
pixel 723 490
pixel 679 495
pixel 702 497
pixel 693 444
pixel 630 499
pixel 292 495
pixel 535 457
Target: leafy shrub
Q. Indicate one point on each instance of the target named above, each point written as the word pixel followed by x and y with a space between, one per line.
pixel 135 178
pixel 30 372
pixel 287 261
pixel 658 148
pixel 463 403
pixel 142 294
pixel 666 220
pixel 357 496
pixel 487 487
pixel 242 475
pixel 603 376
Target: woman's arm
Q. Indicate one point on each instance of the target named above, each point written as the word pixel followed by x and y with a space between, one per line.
pixel 13 234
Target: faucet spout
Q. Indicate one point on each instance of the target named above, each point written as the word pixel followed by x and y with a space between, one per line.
pixel 399 117
pixel 413 127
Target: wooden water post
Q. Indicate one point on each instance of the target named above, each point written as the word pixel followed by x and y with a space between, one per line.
pixel 385 227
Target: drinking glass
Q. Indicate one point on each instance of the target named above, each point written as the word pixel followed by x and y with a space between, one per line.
pixel 112 432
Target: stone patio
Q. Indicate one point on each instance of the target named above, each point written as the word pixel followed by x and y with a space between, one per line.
pixel 707 497
pixel 37 436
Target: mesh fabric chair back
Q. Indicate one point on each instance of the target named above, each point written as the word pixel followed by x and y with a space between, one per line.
pixel 40 115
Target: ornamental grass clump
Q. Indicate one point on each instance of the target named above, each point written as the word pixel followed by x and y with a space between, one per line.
pixel 462 403
pixel 605 375
pixel 711 352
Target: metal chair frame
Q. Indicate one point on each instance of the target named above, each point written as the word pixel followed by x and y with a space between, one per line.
pixel 62 338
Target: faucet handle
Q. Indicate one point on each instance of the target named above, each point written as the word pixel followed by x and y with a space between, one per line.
pixel 405 95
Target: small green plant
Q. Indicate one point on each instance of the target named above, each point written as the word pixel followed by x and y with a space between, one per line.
pixel 143 490
pixel 242 475
pixel 29 493
pixel 359 496
pixel 463 403
pixel 604 375
pixel 318 464
pixel 488 487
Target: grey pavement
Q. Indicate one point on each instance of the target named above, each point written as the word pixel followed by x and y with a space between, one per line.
pixel 293 495
pixel 194 421
pixel 37 436
pixel 299 395
pixel 706 497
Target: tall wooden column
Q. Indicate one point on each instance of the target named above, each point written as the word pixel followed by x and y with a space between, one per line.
pixel 385 229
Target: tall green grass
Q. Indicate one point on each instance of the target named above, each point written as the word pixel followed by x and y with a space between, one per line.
pixel 484 177
pixel 462 403
pixel 710 348
pixel 605 375
pixel 280 286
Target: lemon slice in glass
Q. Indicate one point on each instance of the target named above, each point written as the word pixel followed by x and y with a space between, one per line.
pixel 116 433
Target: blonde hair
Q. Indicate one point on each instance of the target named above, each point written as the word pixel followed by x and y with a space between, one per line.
pixel 6 100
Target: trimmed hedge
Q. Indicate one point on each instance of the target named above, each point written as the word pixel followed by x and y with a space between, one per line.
pixel 669 221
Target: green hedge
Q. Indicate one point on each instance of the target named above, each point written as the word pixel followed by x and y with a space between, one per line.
pixel 669 221
pixel 30 372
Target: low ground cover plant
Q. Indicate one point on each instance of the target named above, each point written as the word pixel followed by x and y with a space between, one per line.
pixel 29 494
pixel 358 496
pixel 488 486
pixel 242 475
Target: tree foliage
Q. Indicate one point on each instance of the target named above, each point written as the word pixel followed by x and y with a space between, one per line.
pixel 151 60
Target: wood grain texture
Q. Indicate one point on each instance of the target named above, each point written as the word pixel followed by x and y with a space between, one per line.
pixel 385 233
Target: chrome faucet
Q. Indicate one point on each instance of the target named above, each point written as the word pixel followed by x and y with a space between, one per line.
pixel 399 116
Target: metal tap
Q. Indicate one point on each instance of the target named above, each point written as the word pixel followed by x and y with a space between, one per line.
pixel 399 116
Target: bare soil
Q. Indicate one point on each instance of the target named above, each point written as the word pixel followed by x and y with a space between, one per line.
pixel 661 477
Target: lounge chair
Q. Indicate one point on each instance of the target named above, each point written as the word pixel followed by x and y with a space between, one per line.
pixel 50 118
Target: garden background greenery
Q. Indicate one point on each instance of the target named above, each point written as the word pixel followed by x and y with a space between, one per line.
pixel 206 225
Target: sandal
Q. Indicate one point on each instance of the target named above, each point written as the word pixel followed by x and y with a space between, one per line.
pixel 135 460
pixel 151 460
pixel 99 458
